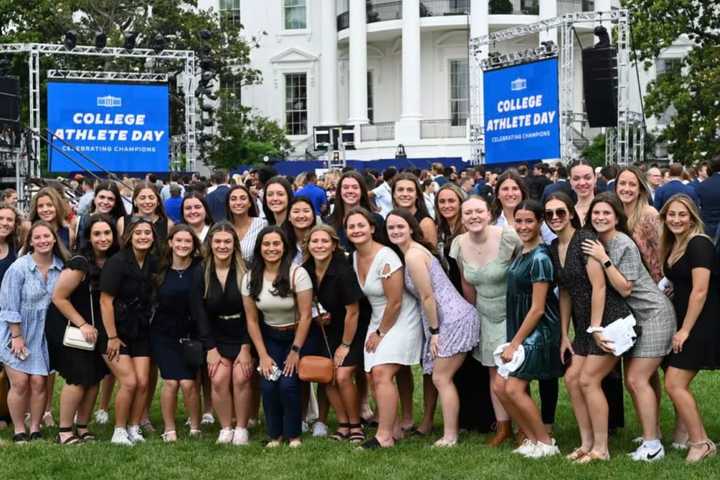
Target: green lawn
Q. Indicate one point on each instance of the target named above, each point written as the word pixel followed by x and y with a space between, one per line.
pixel 322 458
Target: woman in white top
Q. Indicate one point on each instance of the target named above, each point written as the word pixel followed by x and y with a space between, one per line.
pixel 242 212
pixel 395 336
pixel 194 212
pixel 283 293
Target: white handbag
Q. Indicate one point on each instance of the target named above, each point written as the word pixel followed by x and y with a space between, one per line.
pixel 73 337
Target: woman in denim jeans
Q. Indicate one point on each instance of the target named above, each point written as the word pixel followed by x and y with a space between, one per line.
pixel 283 293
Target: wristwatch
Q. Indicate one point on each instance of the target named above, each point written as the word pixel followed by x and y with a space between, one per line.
pixel 379 333
pixel 434 331
pixel 592 330
pixel 295 349
pixel 607 264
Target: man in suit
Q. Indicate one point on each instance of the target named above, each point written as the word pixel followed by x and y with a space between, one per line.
pixel 673 186
pixel 709 194
pixel 561 185
pixel 217 198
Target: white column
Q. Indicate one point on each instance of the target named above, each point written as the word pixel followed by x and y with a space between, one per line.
pixel 328 64
pixel 479 26
pixel 358 64
pixel 407 129
pixel 548 9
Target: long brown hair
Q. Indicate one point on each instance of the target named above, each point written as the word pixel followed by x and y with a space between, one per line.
pixel 668 239
pixel 168 256
pixel 415 231
pixel 612 200
pixel 236 260
pixel 337 218
pixel 59 249
pixel 420 206
pixel 444 228
pixel 510 174
pixel 58 203
pixel 14 239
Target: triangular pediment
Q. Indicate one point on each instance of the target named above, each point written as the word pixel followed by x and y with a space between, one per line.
pixel 293 55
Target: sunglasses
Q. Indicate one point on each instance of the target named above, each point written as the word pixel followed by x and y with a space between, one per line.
pixel 560 213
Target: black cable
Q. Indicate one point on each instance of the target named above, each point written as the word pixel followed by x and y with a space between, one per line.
pixel 577 37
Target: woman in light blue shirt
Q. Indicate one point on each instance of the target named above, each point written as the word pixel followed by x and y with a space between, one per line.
pixel 25 295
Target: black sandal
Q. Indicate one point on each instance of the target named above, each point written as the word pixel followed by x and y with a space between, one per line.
pixel 88 436
pixel 20 438
pixel 356 437
pixel 341 436
pixel 71 440
pixel 36 436
pixel 369 422
pixel 372 444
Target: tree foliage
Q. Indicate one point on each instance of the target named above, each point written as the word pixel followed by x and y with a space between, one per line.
pixel 689 88
pixel 46 21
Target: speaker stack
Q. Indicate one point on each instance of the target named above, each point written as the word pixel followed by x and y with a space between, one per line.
pixel 600 84
pixel 10 110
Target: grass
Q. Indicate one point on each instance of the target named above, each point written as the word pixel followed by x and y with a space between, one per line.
pixel 324 459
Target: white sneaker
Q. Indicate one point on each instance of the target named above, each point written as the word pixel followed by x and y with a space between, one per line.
pixel 135 434
pixel 225 436
pixel 525 448
pixel 544 450
pixel 121 437
pixel 207 419
pixel 319 430
pixel 646 454
pixel 241 436
pixel 101 417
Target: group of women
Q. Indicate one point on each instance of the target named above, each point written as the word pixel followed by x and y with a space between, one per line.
pixel 242 300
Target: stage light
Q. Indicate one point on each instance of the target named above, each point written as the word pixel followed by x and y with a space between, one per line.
pixel 130 38
pixel 206 107
pixel 206 77
pixel 158 43
pixel 70 39
pixel 205 35
pixel 549 46
pixel 603 37
pixel 100 40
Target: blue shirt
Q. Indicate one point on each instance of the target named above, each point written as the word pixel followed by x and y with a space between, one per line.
pixel 673 187
pixel 315 194
pixel 172 208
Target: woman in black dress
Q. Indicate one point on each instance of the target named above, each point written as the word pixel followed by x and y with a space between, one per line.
pixel 76 300
pixel 147 203
pixel 172 323
pixel 690 263
pixel 217 311
pixel 126 303
pixel 336 308
pixel 586 297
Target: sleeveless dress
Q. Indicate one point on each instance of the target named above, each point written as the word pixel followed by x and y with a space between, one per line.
pixel 402 344
pixel 77 367
pixel 490 282
pixel 542 345
pixel 458 320
pixel 574 279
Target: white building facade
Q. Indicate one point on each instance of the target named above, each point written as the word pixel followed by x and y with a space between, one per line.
pixel 398 71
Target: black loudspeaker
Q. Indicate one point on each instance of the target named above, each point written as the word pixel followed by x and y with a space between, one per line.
pixel 9 101
pixel 600 84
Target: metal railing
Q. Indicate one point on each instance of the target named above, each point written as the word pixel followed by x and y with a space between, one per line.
pixel 439 8
pixel 441 128
pixel 377 132
pixel 381 11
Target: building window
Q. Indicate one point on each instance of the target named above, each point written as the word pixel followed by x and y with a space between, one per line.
pixel 459 92
pixel 230 11
pixel 296 103
pixel 231 90
pixel 370 101
pixel 295 13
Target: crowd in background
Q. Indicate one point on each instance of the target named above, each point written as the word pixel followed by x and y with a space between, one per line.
pixel 487 279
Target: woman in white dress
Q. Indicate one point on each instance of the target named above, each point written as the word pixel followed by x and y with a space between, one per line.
pixel 395 335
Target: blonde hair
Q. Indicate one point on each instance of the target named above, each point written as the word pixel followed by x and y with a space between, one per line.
pixel 668 239
pixel 320 228
pixel 643 199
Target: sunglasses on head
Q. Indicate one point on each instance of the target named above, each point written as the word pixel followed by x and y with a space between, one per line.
pixel 560 213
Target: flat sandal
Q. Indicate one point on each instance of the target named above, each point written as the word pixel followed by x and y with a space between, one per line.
pixel 591 457
pixel 710 450
pixel 577 454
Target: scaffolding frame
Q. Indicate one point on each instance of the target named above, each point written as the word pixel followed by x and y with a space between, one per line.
pixel 625 143
pixel 35 50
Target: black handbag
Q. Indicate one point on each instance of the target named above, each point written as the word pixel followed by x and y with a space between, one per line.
pixel 193 353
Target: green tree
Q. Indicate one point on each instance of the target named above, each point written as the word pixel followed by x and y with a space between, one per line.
pixel 46 21
pixel 689 87
pixel 245 138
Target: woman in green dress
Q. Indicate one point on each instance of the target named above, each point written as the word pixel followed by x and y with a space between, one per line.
pixel 533 322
